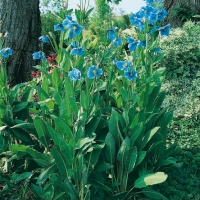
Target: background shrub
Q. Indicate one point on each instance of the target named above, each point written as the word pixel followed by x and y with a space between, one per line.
pixel 182 50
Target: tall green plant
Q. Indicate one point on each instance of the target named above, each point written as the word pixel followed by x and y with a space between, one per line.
pixel 97 129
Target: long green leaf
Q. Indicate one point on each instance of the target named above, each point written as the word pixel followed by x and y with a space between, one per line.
pixel 123 151
pixel 46 174
pixel 39 89
pixel 20 106
pixel 17 147
pixel 131 159
pixel 66 111
pixel 114 128
pixel 41 158
pixel 140 158
pixel 64 147
pixel 42 131
pixel 56 80
pixel 23 176
pixel 153 194
pixel 150 179
pixel 62 128
pixel 60 162
pixel 148 136
pixel 43 71
pixel 22 135
pixel 110 148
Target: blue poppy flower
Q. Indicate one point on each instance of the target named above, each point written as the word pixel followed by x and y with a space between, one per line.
pixel 132 18
pixel 69 17
pixel 77 51
pixel 44 39
pixel 148 12
pixel 67 20
pixel 74 44
pixel 164 31
pixel 75 75
pixel 132 44
pixel 162 14
pixel 141 43
pixel 153 27
pixel 39 55
pixel 139 14
pixel 153 17
pixel 93 72
pixel 6 52
pixel 111 33
pixel 130 74
pixel 75 29
pixel 59 27
pixel 157 50
pixel 149 1
pixel 137 22
pixel 117 42
pixel 122 65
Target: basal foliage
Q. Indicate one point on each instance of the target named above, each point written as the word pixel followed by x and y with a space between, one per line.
pixel 90 125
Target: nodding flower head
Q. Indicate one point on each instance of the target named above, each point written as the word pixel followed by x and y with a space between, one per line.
pixel 44 39
pixel 117 42
pixel 111 33
pixel 149 1
pixel 6 52
pixel 136 20
pixel 39 56
pixel 162 14
pixel 130 74
pixel 77 51
pixel 122 65
pixel 164 31
pixel 93 72
pixel 59 27
pixel 67 20
pixel 132 44
pixel 75 75
pixel 75 29
pixel 74 44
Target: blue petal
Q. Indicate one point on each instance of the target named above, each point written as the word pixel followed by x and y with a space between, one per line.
pixel 111 35
pixel 77 51
pixel 132 46
pixel 93 72
pixel 74 44
pixel 130 40
pixel 71 34
pixel 75 75
pixel 122 65
pixel 6 52
pixel 78 30
pixel 117 42
pixel 162 14
pixel 44 39
pixel 130 74
pixel 164 31
pixel 59 27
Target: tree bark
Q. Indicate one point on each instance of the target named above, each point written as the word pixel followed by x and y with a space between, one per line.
pixel 21 18
pixel 170 5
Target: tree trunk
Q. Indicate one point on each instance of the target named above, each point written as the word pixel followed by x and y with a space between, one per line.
pixel 170 5
pixel 21 19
